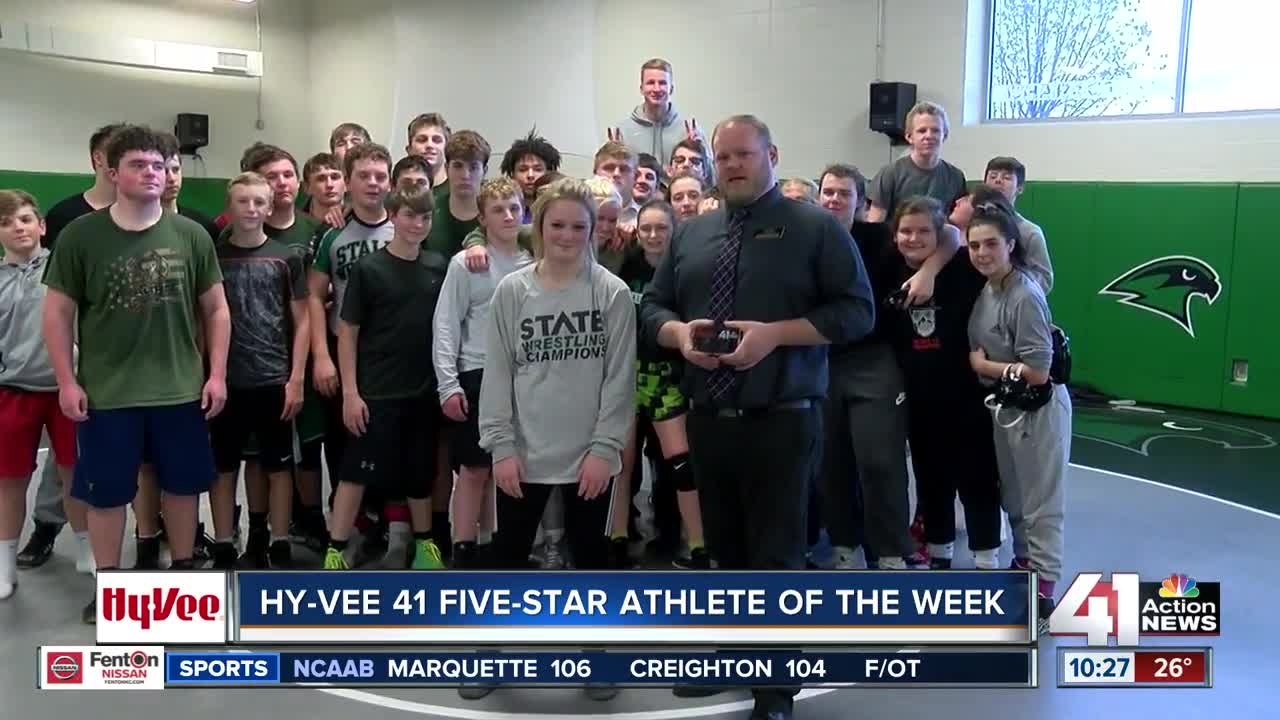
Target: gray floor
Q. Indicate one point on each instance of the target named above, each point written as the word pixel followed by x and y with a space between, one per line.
pixel 1114 523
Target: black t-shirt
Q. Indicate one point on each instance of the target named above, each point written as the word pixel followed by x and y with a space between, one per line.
pixel 393 301
pixel 637 273
pixel 875 244
pixel 932 340
pixel 61 215
pixel 260 284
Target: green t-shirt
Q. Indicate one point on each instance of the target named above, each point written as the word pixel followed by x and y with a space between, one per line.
pixel 393 301
pixel 447 231
pixel 136 294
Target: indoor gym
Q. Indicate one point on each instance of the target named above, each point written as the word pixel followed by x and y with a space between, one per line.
pixel 1156 487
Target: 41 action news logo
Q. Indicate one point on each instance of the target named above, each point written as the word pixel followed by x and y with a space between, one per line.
pixel 1125 608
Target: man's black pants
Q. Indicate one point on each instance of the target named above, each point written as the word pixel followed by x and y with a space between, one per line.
pixel 753 473
pixel 866 443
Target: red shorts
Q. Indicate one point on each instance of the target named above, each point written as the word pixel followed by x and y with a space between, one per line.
pixel 23 415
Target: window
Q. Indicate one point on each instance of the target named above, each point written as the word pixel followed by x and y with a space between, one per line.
pixel 1104 58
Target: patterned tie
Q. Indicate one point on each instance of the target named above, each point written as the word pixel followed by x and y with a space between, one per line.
pixel 724 281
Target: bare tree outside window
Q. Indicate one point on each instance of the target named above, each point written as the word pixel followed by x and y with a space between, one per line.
pixel 1083 58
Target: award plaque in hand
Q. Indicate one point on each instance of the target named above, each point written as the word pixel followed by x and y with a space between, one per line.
pixel 718 339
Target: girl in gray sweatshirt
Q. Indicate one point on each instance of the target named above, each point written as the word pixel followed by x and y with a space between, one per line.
pixel 558 385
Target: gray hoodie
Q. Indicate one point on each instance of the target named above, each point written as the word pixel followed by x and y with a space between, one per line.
pixel 559 373
pixel 659 139
pixel 24 362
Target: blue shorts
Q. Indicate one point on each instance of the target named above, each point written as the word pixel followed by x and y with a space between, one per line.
pixel 174 439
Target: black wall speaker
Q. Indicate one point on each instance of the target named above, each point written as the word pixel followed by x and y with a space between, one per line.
pixel 192 131
pixel 890 102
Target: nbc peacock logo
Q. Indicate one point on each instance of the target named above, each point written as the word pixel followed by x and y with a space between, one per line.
pixel 1178 605
pixel 1179 586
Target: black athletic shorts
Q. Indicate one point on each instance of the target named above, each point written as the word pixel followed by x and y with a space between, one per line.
pixel 256 412
pixel 397 452
pixel 464 437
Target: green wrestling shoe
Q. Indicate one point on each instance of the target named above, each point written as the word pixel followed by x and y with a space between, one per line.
pixel 334 560
pixel 426 556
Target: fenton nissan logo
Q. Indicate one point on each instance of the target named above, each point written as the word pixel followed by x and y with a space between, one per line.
pixel 65 668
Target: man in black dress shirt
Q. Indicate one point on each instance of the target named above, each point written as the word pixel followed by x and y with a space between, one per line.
pixel 787 276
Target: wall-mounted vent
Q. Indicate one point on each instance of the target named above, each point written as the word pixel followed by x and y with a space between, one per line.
pixel 135 52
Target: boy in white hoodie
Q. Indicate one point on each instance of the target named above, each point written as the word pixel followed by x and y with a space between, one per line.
pixel 461 329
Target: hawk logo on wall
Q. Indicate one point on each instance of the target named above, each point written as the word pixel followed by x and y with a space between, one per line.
pixel 1166 286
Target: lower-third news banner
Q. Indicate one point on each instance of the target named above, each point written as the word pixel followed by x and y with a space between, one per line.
pixel 925 667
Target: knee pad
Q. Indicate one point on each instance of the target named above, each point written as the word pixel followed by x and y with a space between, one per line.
pixel 680 472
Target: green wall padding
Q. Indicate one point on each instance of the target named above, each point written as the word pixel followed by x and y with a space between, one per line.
pixel 1096 232
pixel 1252 306
pixel 203 194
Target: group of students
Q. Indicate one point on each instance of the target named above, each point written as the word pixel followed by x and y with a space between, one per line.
pixel 464 355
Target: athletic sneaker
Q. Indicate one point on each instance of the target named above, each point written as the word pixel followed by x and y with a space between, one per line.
pixel 1044 608
pixel 39 547
pixel 372 547
pixel 280 555
pixel 937 563
pixel 148 554
pixel 601 692
pixel 224 556
pixel 552 557
pixel 698 559
pixel 620 554
pixel 203 550
pixel 255 551
pixel 309 531
pixel 474 692
pixel 426 556
pixel 465 556
pixel 399 553
pixel 334 560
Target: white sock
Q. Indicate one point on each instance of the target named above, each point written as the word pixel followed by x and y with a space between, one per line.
pixel 553 536
pixel 986 559
pixel 893 563
pixel 8 567
pixel 84 554
pixel 226 540
pixel 484 537
pixel 844 557
pixel 399 533
pixel 945 550
pixel 279 538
